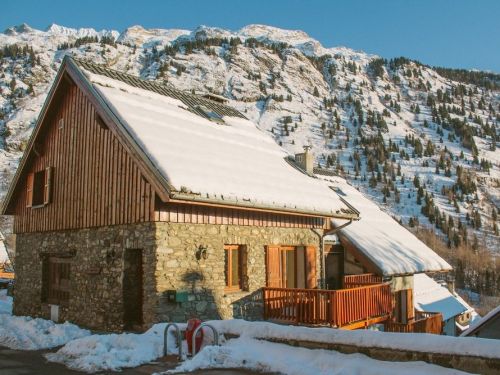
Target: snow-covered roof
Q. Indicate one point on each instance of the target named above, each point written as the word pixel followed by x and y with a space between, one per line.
pixel 433 297
pixel 232 161
pixel 386 244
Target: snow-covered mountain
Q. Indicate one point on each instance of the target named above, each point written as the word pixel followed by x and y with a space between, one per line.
pixel 419 144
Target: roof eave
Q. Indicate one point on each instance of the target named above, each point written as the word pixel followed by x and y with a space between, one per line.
pixel 178 197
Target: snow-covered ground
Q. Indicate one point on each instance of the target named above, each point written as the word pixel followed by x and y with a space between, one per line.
pixel 115 351
pixel 265 356
pixel 22 332
pixel 112 352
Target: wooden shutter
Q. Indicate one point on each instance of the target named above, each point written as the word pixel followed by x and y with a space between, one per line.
pixel 311 277
pixel 29 189
pixel 47 188
pixel 410 309
pixel 244 267
pixel 273 266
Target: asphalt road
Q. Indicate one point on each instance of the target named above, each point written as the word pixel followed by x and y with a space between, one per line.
pixel 19 362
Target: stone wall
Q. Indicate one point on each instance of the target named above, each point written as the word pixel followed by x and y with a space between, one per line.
pixel 169 263
pixel 203 279
pixel 96 273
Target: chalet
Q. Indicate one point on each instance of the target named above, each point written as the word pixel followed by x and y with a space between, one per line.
pixel 136 203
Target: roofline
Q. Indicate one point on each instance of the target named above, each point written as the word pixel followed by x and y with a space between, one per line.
pixel 177 197
pixel 162 187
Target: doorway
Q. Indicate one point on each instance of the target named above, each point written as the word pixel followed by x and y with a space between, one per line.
pixel 334 266
pixel 132 289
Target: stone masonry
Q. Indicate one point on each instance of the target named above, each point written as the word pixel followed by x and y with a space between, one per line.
pixel 179 269
pixel 96 273
pixel 169 263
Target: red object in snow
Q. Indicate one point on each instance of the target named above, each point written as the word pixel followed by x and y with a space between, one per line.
pixel 192 324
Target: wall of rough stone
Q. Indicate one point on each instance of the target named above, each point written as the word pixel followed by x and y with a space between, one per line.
pixel 96 273
pixel 203 279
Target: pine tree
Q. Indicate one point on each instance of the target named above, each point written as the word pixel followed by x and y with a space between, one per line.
pixel 316 92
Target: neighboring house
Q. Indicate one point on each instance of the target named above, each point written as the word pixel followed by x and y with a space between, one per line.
pixel 430 295
pixel 377 245
pixel 136 203
pixel 488 327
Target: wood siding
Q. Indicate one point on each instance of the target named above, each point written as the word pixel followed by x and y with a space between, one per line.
pixel 195 214
pixel 95 182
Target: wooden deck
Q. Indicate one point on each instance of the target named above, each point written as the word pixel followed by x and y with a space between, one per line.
pixel 346 308
pixel 424 322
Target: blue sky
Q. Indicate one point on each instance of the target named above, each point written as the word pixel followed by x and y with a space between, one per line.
pixel 453 33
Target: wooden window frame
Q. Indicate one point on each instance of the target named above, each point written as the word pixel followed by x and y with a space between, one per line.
pixel 310 267
pixel 54 291
pixel 228 254
pixel 43 178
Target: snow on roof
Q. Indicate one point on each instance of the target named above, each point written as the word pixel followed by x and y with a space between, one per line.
pixel 480 322
pixel 393 249
pixel 234 161
pixel 432 297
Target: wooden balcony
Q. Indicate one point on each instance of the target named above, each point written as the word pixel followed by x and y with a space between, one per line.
pixel 424 322
pixel 346 308
pixel 356 281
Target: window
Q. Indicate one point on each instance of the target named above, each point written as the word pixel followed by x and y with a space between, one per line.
pixel 291 266
pixel 55 280
pixel 39 186
pixel 235 267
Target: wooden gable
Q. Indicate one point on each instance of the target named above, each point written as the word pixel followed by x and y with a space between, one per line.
pixel 90 178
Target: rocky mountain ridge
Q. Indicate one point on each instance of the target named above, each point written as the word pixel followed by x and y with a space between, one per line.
pixel 423 146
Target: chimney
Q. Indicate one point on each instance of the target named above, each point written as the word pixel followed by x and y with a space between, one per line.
pixel 305 160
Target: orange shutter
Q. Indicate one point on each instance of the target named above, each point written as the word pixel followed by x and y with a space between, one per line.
pixel 311 277
pixel 273 266
pixel 29 189
pixel 47 190
pixel 410 309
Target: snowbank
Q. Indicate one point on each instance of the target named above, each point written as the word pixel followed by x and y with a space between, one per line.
pixel 264 356
pixel 25 333
pixel 114 351
pixel 417 342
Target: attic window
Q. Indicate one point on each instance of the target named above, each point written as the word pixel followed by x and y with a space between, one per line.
pixel 101 122
pixel 39 188
pixel 212 115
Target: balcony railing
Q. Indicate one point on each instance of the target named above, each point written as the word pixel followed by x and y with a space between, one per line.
pixel 345 308
pixel 424 322
pixel 355 281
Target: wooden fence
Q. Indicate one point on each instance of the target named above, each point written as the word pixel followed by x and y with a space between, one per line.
pixel 337 308
pixel 356 281
pixel 424 322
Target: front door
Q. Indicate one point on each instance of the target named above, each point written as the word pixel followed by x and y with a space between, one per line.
pixel 132 289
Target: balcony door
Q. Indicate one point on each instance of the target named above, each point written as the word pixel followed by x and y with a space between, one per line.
pixel 291 266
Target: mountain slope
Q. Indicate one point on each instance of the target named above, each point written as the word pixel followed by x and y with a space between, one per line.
pixel 421 145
